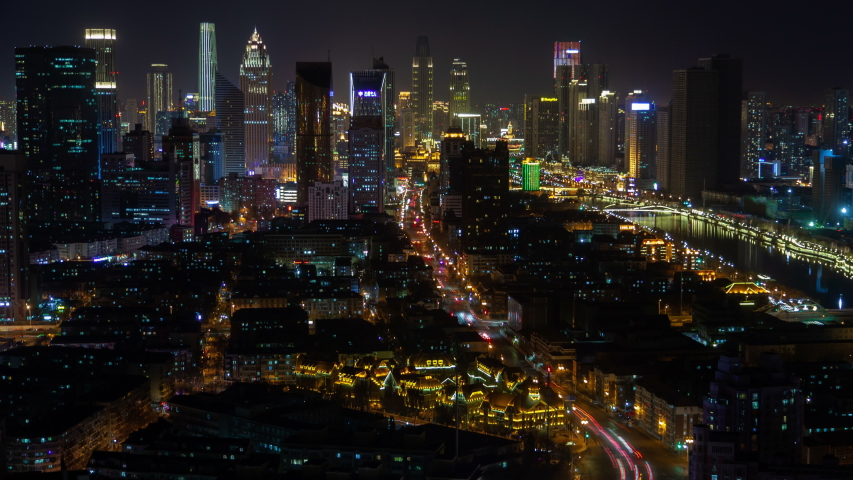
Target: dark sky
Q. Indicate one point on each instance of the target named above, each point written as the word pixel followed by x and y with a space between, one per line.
pixel 793 51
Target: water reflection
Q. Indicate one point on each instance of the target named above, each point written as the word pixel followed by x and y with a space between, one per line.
pixel 823 284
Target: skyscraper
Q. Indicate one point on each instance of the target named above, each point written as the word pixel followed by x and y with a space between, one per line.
pixel 208 65
pixel 314 161
pixel 753 132
pixel 181 147
pixel 366 165
pixel 583 126
pixel 160 97
pixel 836 123
pixel 567 54
pixel 230 115
pixel 389 98
pixel 14 258
pixel 256 84
pixel 58 131
pixel 103 41
pixel 729 96
pixel 607 131
pixel 406 121
pixel 641 140
pixel 663 125
pixel 422 90
pixel 460 91
pixel 694 132
pixel 541 123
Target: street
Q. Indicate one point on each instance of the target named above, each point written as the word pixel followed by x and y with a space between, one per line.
pixel 612 449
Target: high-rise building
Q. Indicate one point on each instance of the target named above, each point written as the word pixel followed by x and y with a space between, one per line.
pixel 729 96
pixel 406 121
pixel 663 125
pixel 440 119
pixel 694 133
pixel 140 143
pixel 341 119
pixel 14 258
pixel 454 144
pixel 160 95
pixel 471 124
pixel 230 120
pixel 182 149
pixel 608 112
pixel 137 190
pixel 422 90
pixel 366 164
pixel 103 41
pixel 753 133
pixel 208 65
pixel 58 131
pixel 567 54
pixel 314 162
pixel 368 101
pixel 485 196
pixel 460 91
pixel 389 98
pixel 641 140
pixel 706 126
pixel 541 124
pixel 763 405
pixel 836 121
pixel 256 84
pixel 8 125
pixel 327 201
pixel 828 175
pixel 530 175
pixel 212 153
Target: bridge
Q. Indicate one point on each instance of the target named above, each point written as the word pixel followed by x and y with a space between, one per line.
pixel 633 207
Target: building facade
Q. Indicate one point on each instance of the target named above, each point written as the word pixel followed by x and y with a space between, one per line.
pixel 256 84
pixel 314 162
pixel 208 65
pixel 103 40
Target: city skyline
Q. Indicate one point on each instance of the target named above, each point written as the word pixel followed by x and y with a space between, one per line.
pixel 532 56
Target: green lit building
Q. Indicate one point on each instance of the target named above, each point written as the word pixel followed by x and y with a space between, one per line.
pixel 530 176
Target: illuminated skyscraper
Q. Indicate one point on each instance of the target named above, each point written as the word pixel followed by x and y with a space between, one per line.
pixel 14 258
pixel 641 140
pixel 460 91
pixel 103 41
pixel 314 161
pixel 389 98
pixel 753 132
pixel 58 131
pixel 160 97
pixel 422 90
pixel 207 67
pixel 568 54
pixel 406 121
pixel 256 84
pixel 366 165
pixel 230 115
pixel 530 173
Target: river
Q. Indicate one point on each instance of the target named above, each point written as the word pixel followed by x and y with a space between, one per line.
pixel 822 283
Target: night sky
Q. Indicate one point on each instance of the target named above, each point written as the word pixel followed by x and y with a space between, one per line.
pixel 791 53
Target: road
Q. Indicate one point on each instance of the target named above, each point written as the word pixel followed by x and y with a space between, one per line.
pixel 612 450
